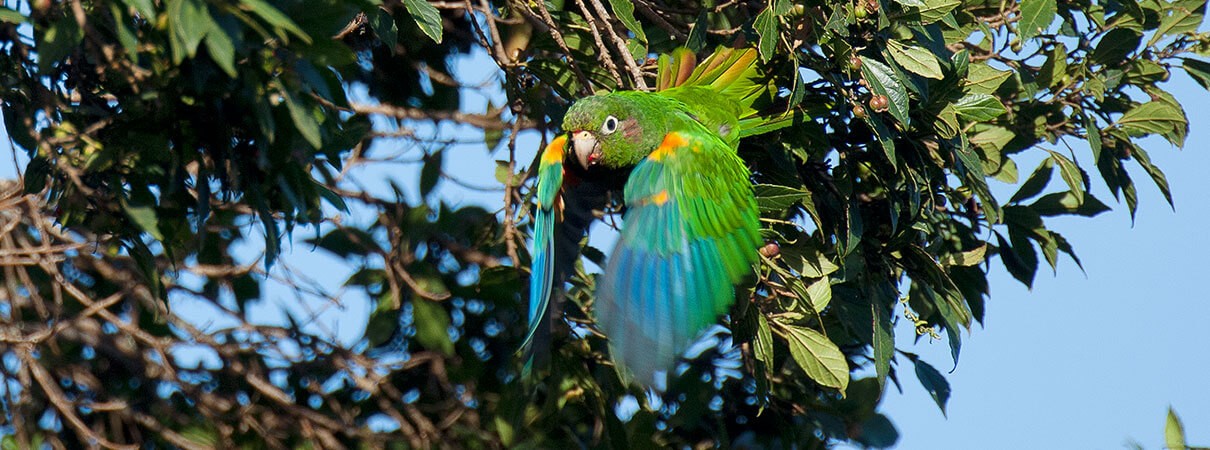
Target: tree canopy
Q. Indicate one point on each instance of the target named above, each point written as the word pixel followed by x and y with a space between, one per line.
pixel 177 146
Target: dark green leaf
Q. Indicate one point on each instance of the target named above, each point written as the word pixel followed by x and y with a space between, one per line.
pixel 221 50
pixel 56 43
pixel 1020 268
pixel 189 20
pixel 884 81
pixel 384 26
pixel 275 18
pixel 307 126
pixel 145 217
pixel 1036 182
pixel 1156 174
pixel 1068 203
pixel 765 25
pixel 1114 46
pixel 430 173
pixel 933 382
pixel 432 324
pixel 774 198
pixel 1036 17
pixel 697 36
pixel 1198 70
pixel 884 341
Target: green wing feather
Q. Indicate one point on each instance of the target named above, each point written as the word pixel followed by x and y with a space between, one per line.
pixel 689 235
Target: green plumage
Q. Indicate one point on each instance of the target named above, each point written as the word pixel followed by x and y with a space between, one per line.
pixel 690 231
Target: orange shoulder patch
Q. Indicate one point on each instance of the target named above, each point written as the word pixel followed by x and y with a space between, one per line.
pixel 672 141
pixel 554 151
pixel 660 198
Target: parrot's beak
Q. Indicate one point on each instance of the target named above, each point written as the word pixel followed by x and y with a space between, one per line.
pixel 588 150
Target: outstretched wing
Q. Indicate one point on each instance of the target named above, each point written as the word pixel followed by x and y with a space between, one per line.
pixel 690 234
pixel 550 179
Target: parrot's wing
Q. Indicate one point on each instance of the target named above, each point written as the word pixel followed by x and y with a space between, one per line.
pixel 690 234
pixel 550 179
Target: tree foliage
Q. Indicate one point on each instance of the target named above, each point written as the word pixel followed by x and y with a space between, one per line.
pixel 166 136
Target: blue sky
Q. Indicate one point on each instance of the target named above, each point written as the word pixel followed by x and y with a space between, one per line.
pixel 1081 361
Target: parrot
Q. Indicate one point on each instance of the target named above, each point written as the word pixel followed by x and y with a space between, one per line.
pixel 690 227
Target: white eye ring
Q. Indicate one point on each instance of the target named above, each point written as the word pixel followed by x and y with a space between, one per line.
pixel 610 125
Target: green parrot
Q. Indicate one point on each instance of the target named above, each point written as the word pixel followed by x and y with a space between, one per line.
pixel 690 228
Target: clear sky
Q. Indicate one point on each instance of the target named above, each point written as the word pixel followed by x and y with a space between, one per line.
pixel 1081 361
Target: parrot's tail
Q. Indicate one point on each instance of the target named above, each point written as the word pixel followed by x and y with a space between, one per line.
pixel 734 73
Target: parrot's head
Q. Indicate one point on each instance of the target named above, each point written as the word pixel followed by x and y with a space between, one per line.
pixel 611 130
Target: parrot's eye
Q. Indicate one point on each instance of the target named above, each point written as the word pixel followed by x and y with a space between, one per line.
pixel 610 125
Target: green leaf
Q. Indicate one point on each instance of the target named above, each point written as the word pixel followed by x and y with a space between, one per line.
pixel 993 140
pixel 820 293
pixel 1184 18
pixel 807 261
pixel 818 356
pixel 1018 266
pixel 144 216
pixel 774 198
pixel 983 79
pixel 427 18
pixel 915 59
pixel 1036 17
pixel 1052 72
pixel 1114 46
pixel 884 341
pixel 1156 174
pixel 308 127
pixel 274 17
pixel 934 10
pixel 10 16
pixel 1071 174
pixel 385 28
pixel 933 382
pixel 430 173
pixel 946 124
pixel 1036 182
pixel 883 81
pixel 979 107
pixel 1198 70
pixel 1154 117
pixel 697 36
pixel 432 323
pixel 221 50
pixel 764 339
pixel 765 25
pixel 1174 432
pixel 189 21
pixel 968 258
pixel 1093 135
pixel 56 43
pixel 145 8
pixel 624 11
pixel 1068 203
